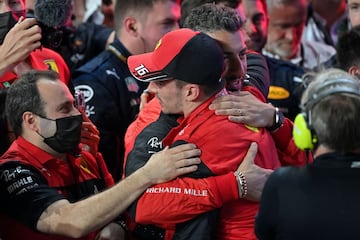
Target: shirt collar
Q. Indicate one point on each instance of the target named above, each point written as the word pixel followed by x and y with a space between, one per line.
pixel 337 160
pixel 29 150
pixel 297 60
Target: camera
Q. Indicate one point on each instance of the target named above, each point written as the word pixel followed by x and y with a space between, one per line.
pixel 51 37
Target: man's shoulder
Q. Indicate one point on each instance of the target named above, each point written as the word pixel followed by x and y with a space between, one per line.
pixel 96 64
pixel 281 65
pixel 103 67
pixel 318 50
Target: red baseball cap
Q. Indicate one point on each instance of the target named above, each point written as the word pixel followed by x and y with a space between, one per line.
pixel 182 54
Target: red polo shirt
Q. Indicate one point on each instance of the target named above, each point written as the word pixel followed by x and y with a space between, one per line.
pixel 32 180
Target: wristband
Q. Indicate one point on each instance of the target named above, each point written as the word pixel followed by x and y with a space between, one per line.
pixel 242 184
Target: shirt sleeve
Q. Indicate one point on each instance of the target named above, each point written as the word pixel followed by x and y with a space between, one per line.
pixel 184 198
pixel 258 73
pixel 25 193
pixel 289 154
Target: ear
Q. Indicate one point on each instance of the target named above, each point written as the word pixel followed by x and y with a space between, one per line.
pixel 30 121
pixel 131 25
pixel 354 70
pixel 192 92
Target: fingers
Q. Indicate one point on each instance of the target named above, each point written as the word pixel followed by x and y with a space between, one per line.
pixel 248 161
pixel 187 162
pixel 145 97
pixel 175 161
pixel 181 148
pixel 186 170
pixel 89 126
pixel 89 137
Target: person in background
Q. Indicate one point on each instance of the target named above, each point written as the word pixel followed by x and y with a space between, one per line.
pixel 298 203
pixel 287 19
pixel 112 94
pixel 53 189
pixel 108 9
pixel 348 52
pixel 326 21
pixel 20 46
pixel 354 12
pixel 76 42
pixel 286 86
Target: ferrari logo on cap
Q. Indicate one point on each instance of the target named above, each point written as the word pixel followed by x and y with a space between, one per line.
pixel 158 44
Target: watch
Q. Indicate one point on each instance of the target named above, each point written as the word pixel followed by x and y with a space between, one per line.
pixel 278 120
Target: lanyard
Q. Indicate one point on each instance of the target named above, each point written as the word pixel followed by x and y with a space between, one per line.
pixel 117 53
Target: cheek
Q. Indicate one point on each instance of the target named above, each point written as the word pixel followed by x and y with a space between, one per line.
pixel 274 34
pixel 354 18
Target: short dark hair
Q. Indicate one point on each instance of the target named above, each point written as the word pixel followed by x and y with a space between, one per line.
pixel 210 17
pixel 23 95
pixel 124 7
pixel 208 89
pixel 188 5
pixel 348 49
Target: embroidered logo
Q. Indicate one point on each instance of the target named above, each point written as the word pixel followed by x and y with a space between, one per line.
pixel 112 72
pixel 86 90
pixel 155 145
pixel 131 84
pixel 84 166
pixel 278 93
pixel 52 65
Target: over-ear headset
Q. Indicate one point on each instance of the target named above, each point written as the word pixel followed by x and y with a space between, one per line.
pixel 304 135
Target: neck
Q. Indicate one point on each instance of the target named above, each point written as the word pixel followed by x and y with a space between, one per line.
pixel 132 44
pixel 38 141
pixel 190 107
pixel 321 149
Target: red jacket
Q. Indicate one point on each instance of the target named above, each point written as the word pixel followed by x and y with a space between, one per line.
pixel 224 145
pixel 284 143
pixel 37 180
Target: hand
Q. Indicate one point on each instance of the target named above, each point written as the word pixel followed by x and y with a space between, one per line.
pixel 145 97
pixel 19 42
pixel 172 162
pixel 111 231
pixel 243 107
pixel 89 135
pixel 255 176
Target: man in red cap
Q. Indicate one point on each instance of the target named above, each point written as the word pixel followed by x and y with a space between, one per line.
pixel 185 74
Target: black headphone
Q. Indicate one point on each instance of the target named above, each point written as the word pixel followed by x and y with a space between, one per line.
pixel 304 135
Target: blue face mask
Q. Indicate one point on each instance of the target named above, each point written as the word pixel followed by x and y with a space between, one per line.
pixel 7 21
pixel 67 135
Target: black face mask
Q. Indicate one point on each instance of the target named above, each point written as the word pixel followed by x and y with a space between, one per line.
pixel 7 21
pixel 67 135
